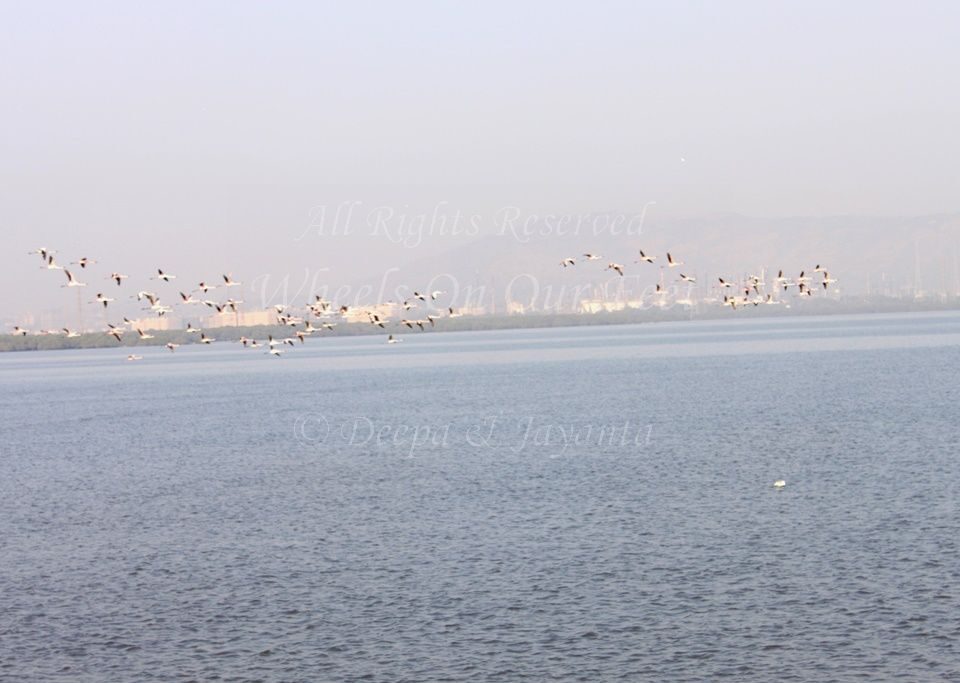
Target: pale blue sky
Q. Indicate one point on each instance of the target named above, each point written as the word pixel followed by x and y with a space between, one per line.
pixel 132 131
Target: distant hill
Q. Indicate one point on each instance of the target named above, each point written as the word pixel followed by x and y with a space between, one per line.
pixel 892 256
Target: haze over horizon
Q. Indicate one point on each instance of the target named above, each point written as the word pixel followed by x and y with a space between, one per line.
pixel 209 138
pixel 608 340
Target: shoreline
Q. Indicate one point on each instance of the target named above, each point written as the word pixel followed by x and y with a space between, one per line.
pixel 53 342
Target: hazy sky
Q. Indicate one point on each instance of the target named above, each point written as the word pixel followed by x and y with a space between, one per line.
pixel 201 135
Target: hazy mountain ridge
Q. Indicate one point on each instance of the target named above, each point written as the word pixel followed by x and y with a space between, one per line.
pixel 866 254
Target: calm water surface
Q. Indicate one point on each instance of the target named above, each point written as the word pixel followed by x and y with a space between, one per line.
pixel 576 504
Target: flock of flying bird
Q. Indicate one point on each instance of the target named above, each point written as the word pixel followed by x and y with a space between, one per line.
pixel 319 308
pixel 754 293
pixel 754 287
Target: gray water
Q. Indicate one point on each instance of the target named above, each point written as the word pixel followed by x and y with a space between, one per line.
pixel 575 504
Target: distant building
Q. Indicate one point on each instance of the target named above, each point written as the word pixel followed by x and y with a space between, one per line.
pixel 157 322
pixel 600 306
pixel 362 314
pixel 241 319
pixel 53 319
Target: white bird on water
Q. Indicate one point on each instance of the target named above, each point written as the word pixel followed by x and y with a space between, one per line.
pixel 393 340
pixel 779 484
